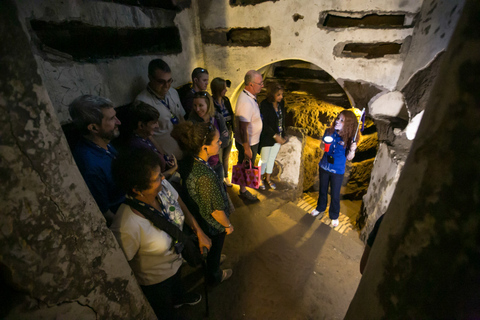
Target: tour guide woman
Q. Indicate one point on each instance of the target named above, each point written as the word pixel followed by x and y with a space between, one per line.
pixel 206 194
pixel 332 164
pixel 148 249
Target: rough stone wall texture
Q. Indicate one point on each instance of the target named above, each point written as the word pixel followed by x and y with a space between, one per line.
pixel 425 262
pixel 436 22
pixel 382 185
pixel 57 257
pixel 119 79
pixel 302 39
pixel 290 159
pixel 430 37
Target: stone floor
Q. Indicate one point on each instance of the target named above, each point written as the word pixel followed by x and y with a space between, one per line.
pixel 286 264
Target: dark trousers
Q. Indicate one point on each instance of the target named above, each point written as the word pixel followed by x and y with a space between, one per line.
pixel 241 152
pixel 164 295
pixel 214 273
pixel 335 181
pixel 225 156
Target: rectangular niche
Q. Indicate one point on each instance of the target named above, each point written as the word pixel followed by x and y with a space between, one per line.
pixel 235 3
pixel 238 37
pixel 164 4
pixel 368 20
pixel 368 50
pixel 83 42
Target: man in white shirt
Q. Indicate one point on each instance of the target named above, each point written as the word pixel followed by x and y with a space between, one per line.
pixel 165 99
pixel 249 123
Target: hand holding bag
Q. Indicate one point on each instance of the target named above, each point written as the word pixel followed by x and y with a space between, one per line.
pixel 253 176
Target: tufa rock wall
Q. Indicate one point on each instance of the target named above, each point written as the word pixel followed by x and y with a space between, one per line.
pixel 57 257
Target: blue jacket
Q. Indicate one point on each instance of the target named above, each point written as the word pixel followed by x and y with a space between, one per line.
pixel 95 165
pixel 337 151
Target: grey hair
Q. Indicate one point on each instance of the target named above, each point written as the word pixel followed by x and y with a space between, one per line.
pixel 250 75
pixel 87 109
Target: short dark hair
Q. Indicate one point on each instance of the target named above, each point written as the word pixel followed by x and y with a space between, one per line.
pixel 87 109
pixel 133 169
pixel 197 72
pixel 272 89
pixel 158 64
pixel 142 112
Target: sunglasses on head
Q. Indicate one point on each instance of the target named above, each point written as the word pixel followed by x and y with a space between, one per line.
pixel 200 94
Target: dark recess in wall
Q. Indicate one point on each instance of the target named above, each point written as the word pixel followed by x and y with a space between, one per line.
pixel 302 73
pixel 244 37
pixel 393 21
pixel 164 4
pixel 248 2
pixel 86 42
pixel 370 50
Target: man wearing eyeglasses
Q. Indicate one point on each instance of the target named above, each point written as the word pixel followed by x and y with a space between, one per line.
pixel 199 83
pixel 249 123
pixel 165 99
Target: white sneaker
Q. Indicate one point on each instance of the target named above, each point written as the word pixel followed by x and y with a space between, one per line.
pixel 335 223
pixel 315 212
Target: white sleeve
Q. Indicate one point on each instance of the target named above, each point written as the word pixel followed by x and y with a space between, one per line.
pixel 243 111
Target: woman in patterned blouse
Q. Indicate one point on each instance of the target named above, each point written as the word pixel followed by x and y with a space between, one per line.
pixel 205 193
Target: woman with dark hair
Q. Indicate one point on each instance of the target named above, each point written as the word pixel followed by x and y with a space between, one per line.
pixel 332 165
pixel 273 132
pixel 143 121
pixel 206 193
pixel 149 250
pixel 224 107
pixel 204 111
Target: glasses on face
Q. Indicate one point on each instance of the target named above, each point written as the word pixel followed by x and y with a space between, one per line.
pixel 210 128
pixel 163 82
pixel 259 84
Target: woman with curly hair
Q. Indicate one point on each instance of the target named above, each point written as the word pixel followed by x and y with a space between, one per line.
pixel 332 165
pixel 205 194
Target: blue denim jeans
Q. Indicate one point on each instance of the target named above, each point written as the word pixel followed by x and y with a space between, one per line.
pixel 334 180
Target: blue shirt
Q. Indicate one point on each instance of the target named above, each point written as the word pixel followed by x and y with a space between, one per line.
pixel 337 151
pixel 95 165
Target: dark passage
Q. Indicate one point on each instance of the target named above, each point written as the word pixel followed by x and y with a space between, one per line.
pixel 245 37
pixel 370 50
pixel 87 42
pixel 367 21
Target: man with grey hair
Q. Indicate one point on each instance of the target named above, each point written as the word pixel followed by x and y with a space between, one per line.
pixel 96 120
pixel 249 123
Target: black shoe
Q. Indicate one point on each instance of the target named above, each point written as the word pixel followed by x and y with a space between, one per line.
pixel 190 298
pixel 248 196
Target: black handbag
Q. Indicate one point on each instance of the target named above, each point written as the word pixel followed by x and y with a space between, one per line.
pixel 185 244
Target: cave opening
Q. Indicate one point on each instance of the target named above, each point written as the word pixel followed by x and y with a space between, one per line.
pixel 313 99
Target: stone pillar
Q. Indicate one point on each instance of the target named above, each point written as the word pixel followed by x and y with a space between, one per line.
pixel 57 257
pixel 425 262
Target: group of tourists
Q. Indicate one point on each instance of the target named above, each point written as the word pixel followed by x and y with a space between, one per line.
pixel 172 160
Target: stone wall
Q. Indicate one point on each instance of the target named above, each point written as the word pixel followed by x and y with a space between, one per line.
pixel 425 262
pixel 398 113
pixel 118 74
pixel 57 257
pixel 297 31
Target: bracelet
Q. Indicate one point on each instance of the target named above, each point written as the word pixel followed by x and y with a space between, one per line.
pixel 229 226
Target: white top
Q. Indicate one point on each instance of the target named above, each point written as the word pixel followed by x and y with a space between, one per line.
pixel 247 110
pixel 147 248
pixel 162 135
